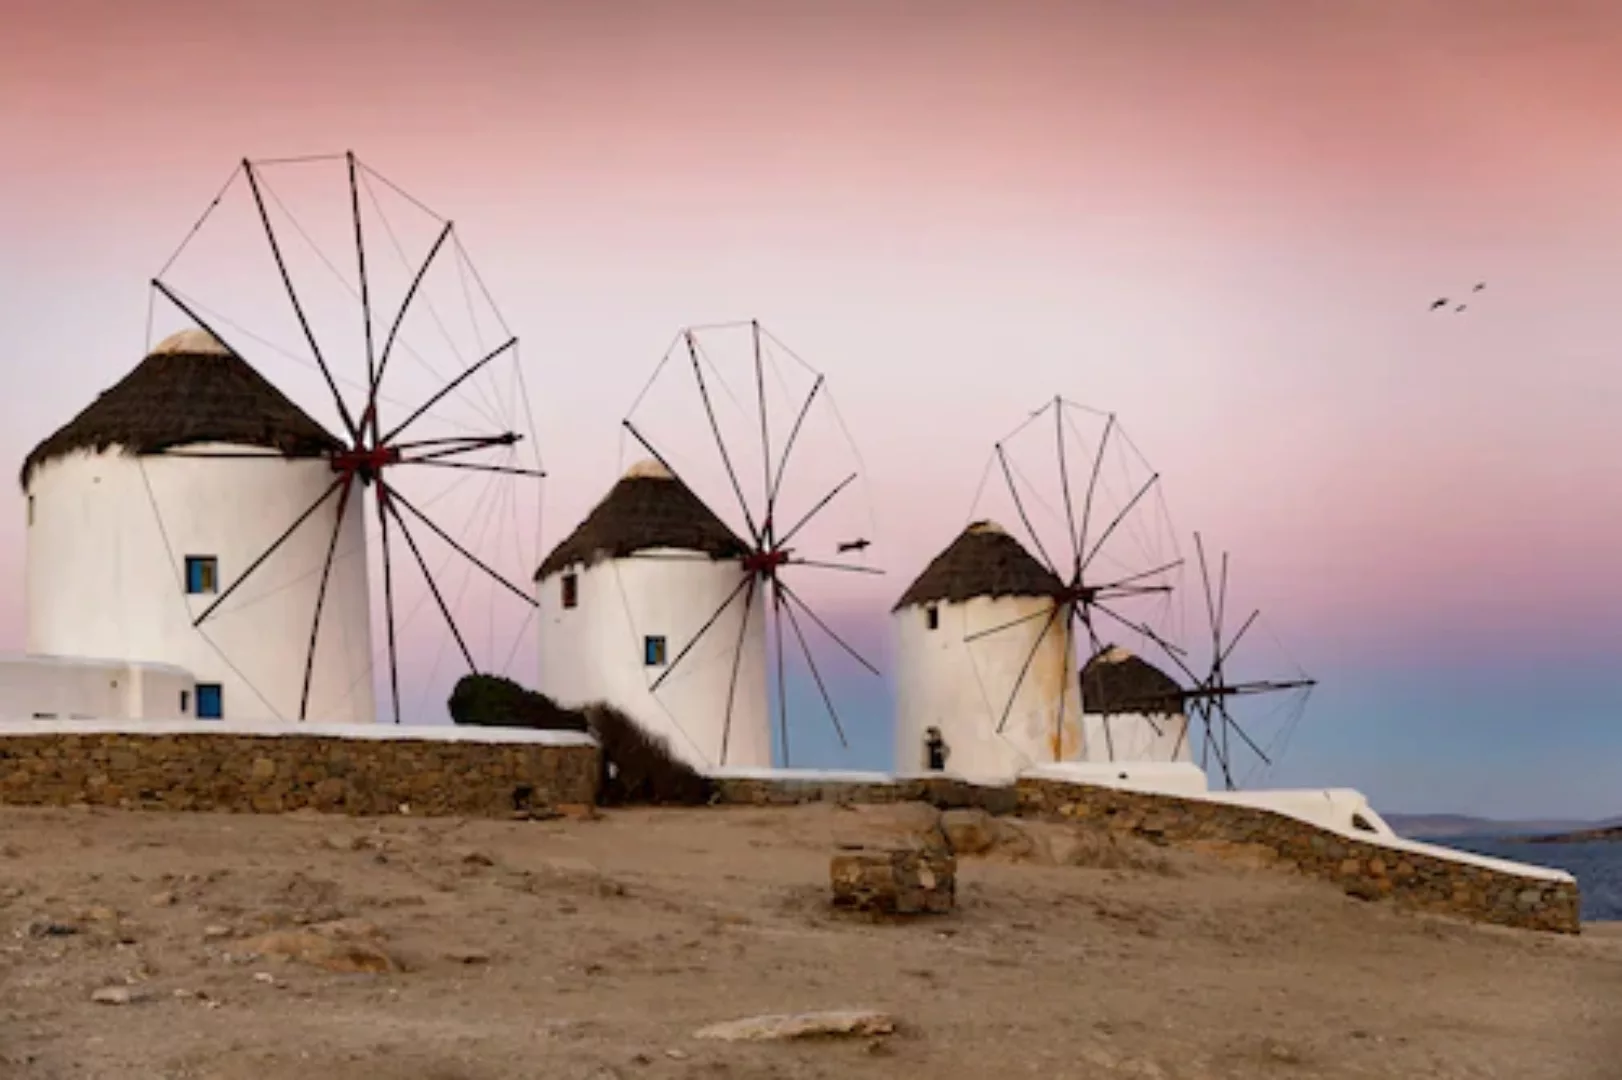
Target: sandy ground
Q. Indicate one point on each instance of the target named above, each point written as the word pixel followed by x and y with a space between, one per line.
pixel 595 949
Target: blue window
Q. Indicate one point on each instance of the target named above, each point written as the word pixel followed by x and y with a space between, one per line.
pixel 210 703
pixel 653 650
pixel 202 574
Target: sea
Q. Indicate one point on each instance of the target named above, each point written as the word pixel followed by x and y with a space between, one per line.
pixel 1597 866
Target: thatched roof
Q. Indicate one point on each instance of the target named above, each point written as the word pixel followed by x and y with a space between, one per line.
pixel 191 389
pixel 984 561
pixel 1116 681
pixel 649 508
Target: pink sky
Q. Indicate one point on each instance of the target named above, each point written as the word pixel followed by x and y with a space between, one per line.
pixel 1225 227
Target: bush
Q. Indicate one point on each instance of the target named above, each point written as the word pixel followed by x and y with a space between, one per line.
pixel 638 767
pixel 494 701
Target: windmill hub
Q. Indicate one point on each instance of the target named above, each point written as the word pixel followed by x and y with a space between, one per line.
pixel 1077 593
pixel 365 463
pixel 765 562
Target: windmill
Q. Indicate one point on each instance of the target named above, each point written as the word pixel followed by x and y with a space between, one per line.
pixel 1110 547
pixel 783 439
pixel 1212 696
pixel 266 296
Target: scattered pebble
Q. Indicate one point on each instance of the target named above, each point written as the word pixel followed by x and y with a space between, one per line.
pixel 43 928
pixel 119 995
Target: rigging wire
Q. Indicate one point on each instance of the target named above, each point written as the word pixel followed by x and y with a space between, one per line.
pixel 354 291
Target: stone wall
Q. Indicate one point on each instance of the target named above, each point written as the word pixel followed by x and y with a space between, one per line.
pixel 1372 871
pixel 281 772
pixel 1369 870
pixel 373 770
pixel 940 791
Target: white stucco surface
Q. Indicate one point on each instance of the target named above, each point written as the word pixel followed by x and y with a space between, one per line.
pixel 50 687
pixel 963 687
pixel 105 576
pixel 1333 808
pixel 366 731
pixel 1134 737
pixel 594 652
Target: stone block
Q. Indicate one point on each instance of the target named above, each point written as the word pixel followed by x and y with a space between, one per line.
pixel 894 882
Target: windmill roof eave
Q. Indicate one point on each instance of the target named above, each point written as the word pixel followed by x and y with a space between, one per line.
pixel 1117 682
pixel 983 562
pixel 646 510
pixel 188 391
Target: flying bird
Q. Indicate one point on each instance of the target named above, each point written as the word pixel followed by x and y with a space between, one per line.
pixel 859 544
pixel 1442 303
pixel 1479 286
pixel 1458 309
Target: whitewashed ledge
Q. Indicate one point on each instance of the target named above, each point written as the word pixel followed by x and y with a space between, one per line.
pixel 445 733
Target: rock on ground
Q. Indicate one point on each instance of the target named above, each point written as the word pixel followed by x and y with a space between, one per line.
pixel 848 1023
pixel 894 882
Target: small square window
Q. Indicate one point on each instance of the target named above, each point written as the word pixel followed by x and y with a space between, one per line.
pixel 932 617
pixel 185 702
pixel 210 701
pixel 202 574
pixel 653 650
pixel 571 590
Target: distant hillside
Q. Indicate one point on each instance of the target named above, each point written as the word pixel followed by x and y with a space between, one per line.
pixel 1606 833
pixel 1448 826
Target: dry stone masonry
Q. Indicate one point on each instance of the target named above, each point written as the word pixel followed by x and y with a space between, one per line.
pixel 1366 870
pixel 266 773
pixel 275 773
pixel 899 881
pixel 1369 871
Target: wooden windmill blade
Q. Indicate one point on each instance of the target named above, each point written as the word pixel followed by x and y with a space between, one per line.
pixel 352 348
pixel 1094 551
pixel 1211 694
pixel 777 518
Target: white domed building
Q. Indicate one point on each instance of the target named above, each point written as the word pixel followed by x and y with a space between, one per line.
pixel 148 505
pixel 965 629
pixel 622 597
pixel 1133 711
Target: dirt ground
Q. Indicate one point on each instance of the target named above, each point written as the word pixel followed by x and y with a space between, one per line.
pixel 163 945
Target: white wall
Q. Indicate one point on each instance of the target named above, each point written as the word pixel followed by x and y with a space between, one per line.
pixel 962 687
pixel 102 581
pixel 594 652
pixel 1151 777
pixel 370 732
pixel 73 689
pixel 1135 737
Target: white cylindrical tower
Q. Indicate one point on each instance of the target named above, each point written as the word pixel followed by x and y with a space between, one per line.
pixel 622 596
pixel 130 539
pixel 965 629
pixel 1132 711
